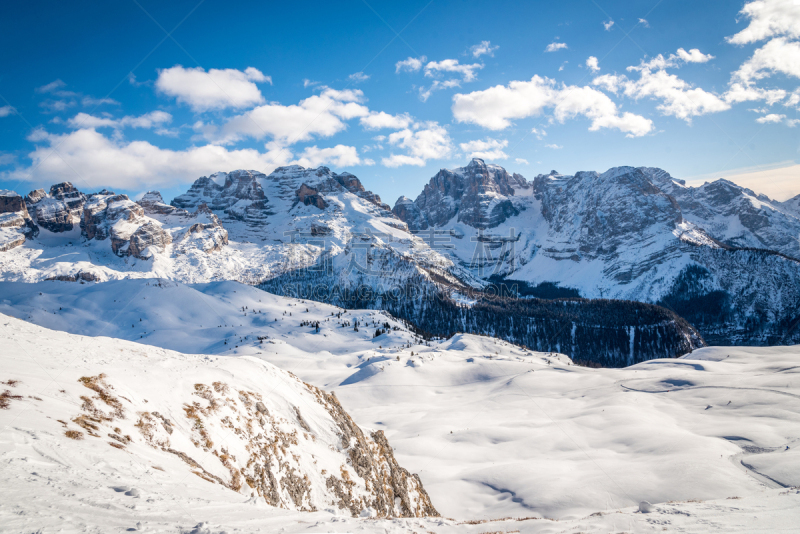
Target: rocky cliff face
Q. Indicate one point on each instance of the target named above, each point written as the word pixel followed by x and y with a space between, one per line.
pixel 239 198
pixel 792 205
pixel 123 221
pixel 153 203
pixel 15 222
pixel 477 194
pixel 58 211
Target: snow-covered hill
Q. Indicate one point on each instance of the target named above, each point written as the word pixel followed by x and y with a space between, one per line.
pixel 239 423
pixel 493 431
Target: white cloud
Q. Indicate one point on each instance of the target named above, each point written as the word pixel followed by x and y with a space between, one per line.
pixel 320 115
pixel 488 149
pixel 778 55
pixel 436 69
pixel 538 133
pixel 91 160
pixel 494 108
pixel 554 146
pixel 215 89
pixel 484 48
pixel 381 119
pixel 358 77
pixel 521 161
pixel 769 18
pixel 423 141
pixel 592 64
pixel 92 101
pixel 794 98
pixel 148 120
pixel 738 92
pixel 644 23
pixel 694 56
pixel 553 47
pixel 678 98
pixel 55 87
pixel 412 64
pixel 309 83
pixel 437 85
pixel 339 155
pixel 467 72
pixel 608 25
pixel 5 111
pixel 771 118
pixel 673 60
pixel 57 105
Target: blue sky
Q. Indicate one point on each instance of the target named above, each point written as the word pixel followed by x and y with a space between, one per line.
pixel 144 95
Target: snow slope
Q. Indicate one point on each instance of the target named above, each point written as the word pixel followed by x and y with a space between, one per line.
pixel 493 430
pixel 238 423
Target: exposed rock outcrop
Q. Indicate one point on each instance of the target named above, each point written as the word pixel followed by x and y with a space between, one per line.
pixel 311 197
pixel 240 198
pixel 477 194
pixel 58 211
pixel 124 222
pixel 204 233
pixel 152 202
pixel 15 222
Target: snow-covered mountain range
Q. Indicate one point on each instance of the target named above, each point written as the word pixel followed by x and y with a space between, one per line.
pixel 719 255
pixel 627 233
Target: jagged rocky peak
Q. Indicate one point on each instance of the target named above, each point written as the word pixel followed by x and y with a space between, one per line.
pixel 153 202
pixel 236 185
pixel 15 222
pixel 241 184
pixel 58 211
pixel 123 221
pixel 205 232
pixel 241 196
pixel 792 205
pixel 35 196
pixel 738 216
pixel 310 185
pixel 479 194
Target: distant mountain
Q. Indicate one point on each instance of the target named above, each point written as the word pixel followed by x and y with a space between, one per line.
pixel 720 256
pixel 628 233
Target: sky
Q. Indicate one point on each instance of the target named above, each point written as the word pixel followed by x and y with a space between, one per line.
pixel 142 95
